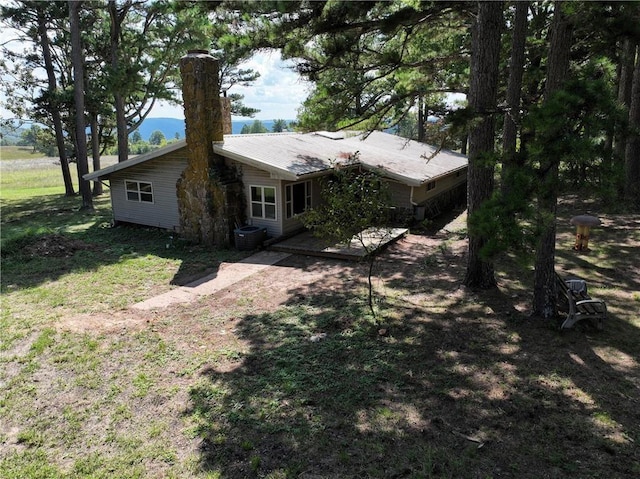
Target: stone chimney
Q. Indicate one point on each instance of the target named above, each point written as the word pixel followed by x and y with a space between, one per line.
pixel 208 193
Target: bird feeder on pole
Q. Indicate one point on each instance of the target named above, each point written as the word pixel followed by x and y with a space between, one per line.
pixel 584 223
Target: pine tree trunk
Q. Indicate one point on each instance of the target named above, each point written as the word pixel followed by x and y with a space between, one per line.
pixel 514 91
pixel 55 109
pixel 118 99
pixel 632 151
pixel 625 83
pixel 482 100
pixel 421 120
pixel 121 128
pixel 77 61
pixel 544 289
pixel 95 153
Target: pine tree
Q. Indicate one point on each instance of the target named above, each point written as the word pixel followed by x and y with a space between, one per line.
pixel 482 102
pixel 80 138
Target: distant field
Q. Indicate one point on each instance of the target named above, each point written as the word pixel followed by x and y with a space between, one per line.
pixel 36 176
pixel 18 153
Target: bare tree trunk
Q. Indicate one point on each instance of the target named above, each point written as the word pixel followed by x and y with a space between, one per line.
pixel 514 92
pixel 117 17
pixel 632 151
pixel 55 110
pixel 544 288
pixel 625 82
pixel 611 173
pixel 372 260
pixel 95 153
pixel 421 120
pixel 77 61
pixel 482 100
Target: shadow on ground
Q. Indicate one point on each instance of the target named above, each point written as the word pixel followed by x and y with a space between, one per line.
pixel 451 383
pixel 48 237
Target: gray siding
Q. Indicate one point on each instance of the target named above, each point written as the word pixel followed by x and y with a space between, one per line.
pixel 162 173
pixel 443 184
pixel 254 177
pixel 400 194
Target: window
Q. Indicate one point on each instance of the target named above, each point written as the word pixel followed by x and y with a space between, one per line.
pixel 140 191
pixel 263 202
pixel 431 185
pixel 298 198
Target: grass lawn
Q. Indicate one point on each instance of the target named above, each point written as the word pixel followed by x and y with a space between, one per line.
pixel 287 375
pixel 18 153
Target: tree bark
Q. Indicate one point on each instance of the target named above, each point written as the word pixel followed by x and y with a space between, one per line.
pixel 54 106
pixel 482 100
pixel 117 18
pixel 544 289
pixel 510 161
pixel 421 120
pixel 95 152
pixel 632 150
pixel 625 82
pixel 77 61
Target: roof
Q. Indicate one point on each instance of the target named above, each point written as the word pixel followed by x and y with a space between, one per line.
pixel 136 160
pixel 296 156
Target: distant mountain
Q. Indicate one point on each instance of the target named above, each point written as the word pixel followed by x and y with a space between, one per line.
pixel 11 135
pixel 172 126
pixel 168 126
pixel 236 126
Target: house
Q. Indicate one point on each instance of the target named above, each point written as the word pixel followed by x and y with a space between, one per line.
pixel 280 174
pixel 207 185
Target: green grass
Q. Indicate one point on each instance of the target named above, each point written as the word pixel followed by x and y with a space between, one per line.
pixel 18 153
pixel 461 384
pixel 31 183
pixel 49 247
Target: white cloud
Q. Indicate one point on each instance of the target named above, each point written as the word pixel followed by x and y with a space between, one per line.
pixel 278 93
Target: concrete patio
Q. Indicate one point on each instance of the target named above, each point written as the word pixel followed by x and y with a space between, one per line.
pixel 373 240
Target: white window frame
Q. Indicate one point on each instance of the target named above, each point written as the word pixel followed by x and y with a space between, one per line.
pixel 139 191
pixel 288 197
pixel 262 203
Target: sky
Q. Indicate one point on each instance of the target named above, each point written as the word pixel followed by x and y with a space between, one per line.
pixel 278 93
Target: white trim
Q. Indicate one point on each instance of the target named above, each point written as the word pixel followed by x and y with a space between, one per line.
pixel 276 173
pixel 138 191
pixel 136 160
pixel 263 203
pixel 308 197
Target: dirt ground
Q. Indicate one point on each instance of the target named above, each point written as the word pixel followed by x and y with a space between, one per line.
pixel 466 375
pixel 294 277
pixel 452 382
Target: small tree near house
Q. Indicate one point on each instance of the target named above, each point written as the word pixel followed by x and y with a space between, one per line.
pixel 355 207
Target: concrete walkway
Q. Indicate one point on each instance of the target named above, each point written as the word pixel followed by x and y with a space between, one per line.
pixel 227 274
pixel 230 273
